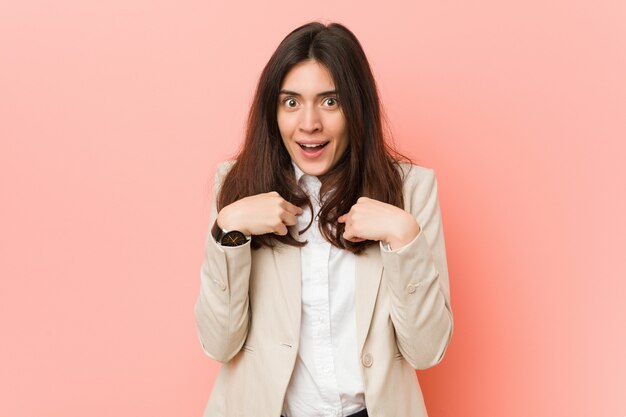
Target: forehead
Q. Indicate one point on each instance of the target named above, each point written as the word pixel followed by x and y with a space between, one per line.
pixel 308 76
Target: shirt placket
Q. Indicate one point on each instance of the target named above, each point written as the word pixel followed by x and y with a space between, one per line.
pixel 318 284
pixel 324 358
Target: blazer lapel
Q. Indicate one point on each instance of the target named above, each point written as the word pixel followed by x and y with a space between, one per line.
pixel 287 260
pixel 368 276
pixel 369 270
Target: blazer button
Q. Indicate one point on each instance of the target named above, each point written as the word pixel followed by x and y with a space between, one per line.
pixel 367 360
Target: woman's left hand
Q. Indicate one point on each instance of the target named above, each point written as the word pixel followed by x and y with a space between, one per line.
pixel 371 219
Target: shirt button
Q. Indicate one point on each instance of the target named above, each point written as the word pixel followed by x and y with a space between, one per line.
pixel 367 360
pixel 410 288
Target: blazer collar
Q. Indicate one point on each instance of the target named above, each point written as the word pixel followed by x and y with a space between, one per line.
pixel 289 270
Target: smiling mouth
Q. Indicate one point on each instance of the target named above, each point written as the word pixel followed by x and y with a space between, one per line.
pixel 312 146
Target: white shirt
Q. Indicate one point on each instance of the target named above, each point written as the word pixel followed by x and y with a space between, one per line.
pixel 327 379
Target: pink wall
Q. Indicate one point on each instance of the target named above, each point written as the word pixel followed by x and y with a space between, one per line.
pixel 113 116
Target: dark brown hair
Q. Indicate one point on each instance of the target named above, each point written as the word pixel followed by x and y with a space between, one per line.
pixel 369 166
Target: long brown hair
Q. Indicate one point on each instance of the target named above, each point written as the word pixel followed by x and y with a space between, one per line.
pixel 369 166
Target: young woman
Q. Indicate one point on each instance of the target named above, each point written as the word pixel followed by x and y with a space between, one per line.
pixel 324 283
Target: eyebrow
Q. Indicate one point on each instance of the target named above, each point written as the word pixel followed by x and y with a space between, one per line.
pixel 323 93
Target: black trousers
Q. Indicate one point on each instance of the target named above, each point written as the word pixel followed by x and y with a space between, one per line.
pixel 362 413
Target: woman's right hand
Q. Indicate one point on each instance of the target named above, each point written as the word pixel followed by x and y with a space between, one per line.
pixel 259 214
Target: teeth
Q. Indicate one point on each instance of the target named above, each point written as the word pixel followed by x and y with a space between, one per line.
pixel 311 145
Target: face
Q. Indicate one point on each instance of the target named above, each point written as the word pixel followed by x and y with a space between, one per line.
pixel 310 118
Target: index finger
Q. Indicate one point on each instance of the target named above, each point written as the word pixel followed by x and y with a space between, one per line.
pixel 292 208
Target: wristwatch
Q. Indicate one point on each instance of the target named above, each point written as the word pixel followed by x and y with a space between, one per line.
pixel 228 238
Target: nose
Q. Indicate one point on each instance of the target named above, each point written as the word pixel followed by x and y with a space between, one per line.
pixel 310 121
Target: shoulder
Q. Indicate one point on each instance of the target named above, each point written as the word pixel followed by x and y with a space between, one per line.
pixel 413 175
pixel 224 167
pixel 419 186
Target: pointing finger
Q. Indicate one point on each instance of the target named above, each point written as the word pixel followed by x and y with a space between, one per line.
pixel 293 209
pixel 352 238
pixel 289 219
pixel 281 230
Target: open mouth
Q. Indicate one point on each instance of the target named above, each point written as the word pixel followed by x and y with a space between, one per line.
pixel 312 146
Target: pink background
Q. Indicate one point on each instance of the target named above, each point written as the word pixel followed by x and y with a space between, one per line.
pixel 114 114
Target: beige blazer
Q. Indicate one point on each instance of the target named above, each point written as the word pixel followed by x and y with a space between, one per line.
pixel 248 315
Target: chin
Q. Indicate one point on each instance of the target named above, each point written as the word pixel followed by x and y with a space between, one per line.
pixel 313 169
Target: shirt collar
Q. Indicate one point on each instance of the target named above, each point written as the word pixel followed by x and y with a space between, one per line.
pixel 309 182
pixel 299 172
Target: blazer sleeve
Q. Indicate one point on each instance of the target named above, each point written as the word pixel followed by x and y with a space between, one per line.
pixel 416 276
pixel 222 306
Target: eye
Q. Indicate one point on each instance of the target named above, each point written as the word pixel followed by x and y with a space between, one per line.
pixel 290 102
pixel 331 102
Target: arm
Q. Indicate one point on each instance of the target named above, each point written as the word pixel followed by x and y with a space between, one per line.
pixel 222 307
pixel 416 272
pixel 416 276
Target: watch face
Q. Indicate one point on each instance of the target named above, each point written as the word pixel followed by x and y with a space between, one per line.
pixel 234 238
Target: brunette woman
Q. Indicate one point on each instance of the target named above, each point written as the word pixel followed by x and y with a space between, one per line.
pixel 324 283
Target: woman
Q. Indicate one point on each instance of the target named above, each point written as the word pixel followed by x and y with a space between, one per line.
pixel 324 283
